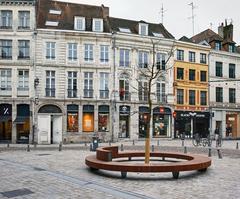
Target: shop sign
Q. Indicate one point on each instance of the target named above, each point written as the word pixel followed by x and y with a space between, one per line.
pixel 5 110
pixel 231 119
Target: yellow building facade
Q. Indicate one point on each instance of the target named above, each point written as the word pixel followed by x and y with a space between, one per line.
pixel 191 103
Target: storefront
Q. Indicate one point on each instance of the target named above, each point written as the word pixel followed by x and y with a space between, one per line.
pixel 161 122
pixel 124 120
pixel 103 118
pixel 22 122
pixel 5 122
pixel 88 118
pixel 231 124
pixel 143 119
pixel 190 123
pixel 72 118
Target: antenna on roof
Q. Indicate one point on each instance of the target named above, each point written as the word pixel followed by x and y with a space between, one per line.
pixel 162 13
pixel 211 25
pixel 193 15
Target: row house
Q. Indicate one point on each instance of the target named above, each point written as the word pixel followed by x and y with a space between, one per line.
pixel 17 25
pixel 224 75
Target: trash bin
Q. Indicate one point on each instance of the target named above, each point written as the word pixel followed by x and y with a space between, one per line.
pixel 94 143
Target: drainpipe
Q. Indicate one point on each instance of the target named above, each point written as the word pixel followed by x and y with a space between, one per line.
pixel 209 87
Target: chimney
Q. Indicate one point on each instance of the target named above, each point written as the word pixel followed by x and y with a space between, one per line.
pixel 105 11
pixel 226 32
pixel 220 30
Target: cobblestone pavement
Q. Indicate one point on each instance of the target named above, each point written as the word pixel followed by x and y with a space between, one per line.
pixel 57 174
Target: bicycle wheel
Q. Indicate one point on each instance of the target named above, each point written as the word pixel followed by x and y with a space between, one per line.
pixel 194 141
pixel 204 142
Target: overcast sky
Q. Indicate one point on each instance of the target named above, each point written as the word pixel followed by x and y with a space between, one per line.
pixel 177 13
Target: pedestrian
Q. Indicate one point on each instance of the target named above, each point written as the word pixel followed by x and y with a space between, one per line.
pixel 216 132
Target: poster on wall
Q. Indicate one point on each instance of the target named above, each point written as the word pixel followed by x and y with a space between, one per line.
pixel 72 122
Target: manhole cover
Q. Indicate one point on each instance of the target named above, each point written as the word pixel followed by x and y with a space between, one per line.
pixel 16 193
pixel 43 154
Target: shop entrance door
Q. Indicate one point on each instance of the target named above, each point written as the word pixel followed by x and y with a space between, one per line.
pixel 124 126
pixel 56 129
pixel 44 129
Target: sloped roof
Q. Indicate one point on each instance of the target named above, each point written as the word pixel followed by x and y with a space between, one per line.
pixel 207 35
pixel 116 23
pixel 185 39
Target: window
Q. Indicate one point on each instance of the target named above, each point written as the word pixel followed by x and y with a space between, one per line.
pixel 232 95
pixel 191 74
pixel 88 52
pixel 143 29
pixel 72 118
pixel 217 45
pixel 203 58
pixel 88 84
pixel 50 83
pixel 23 47
pixel 192 56
pixel 180 96
pixel 161 92
pixel 191 97
pixel 104 91
pixel 219 69
pixel 23 80
pixel 50 51
pixel 104 53
pixel 6 19
pixel 219 94
pixel 180 55
pixel 103 118
pixel 143 91
pixel 203 76
pixel 142 59
pixel 125 30
pixel 72 51
pixel 124 58
pixel 6 49
pixel 203 100
pixel 72 84
pixel 180 73
pixel 232 70
pixel 79 23
pixel 23 19
pixel 97 25
pixel 231 48
pixel 5 79
pixel 161 63
pixel 124 93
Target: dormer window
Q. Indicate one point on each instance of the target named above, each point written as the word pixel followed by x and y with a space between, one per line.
pixel 217 45
pixel 125 30
pixel 79 23
pixel 143 29
pixel 97 25
pixel 231 48
pixel 156 34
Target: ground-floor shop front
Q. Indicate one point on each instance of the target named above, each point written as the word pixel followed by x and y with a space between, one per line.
pixel 227 121
pixel 189 123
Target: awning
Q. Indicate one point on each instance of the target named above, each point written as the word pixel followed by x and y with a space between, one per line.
pixel 20 120
pixel 5 118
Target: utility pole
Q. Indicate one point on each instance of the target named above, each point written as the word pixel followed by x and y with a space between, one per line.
pixel 193 16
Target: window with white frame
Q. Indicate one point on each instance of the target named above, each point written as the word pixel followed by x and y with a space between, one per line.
pixel 143 29
pixel 50 50
pixel 88 85
pixel 124 58
pixel 161 92
pixel 88 52
pixel 142 59
pixel 50 83
pixel 23 47
pixel 160 59
pixel 23 19
pixel 6 49
pixel 23 80
pixel 97 25
pixel 104 91
pixel 79 23
pixel 124 92
pixel 104 53
pixel 5 79
pixel 143 90
pixel 72 51
pixel 6 19
pixel 72 84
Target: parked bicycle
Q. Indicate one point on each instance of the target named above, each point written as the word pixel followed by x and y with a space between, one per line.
pixel 199 141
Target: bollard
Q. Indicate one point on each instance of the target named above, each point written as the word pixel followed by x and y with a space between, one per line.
pixel 219 154
pixel 35 145
pixel 133 143
pixel 185 149
pixel 152 148
pixel 237 147
pixel 8 145
pixel 60 146
pixel 28 148
pixel 85 143
pixel 158 142
pixel 121 147
pixel 182 142
pixel 209 152
pixel 109 143
pixel 91 147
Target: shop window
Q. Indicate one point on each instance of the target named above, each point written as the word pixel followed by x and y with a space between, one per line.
pixel 143 121
pixel 88 118
pixel 72 118
pixel 103 118
pixel 124 118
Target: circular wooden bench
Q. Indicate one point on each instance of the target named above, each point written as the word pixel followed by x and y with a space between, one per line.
pixel 104 160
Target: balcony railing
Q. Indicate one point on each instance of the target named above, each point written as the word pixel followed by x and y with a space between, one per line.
pixel 6 57
pixel 104 94
pixel 143 98
pixel 88 93
pixel 72 93
pixel 124 63
pixel 125 96
pixel 50 92
pixel 142 65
